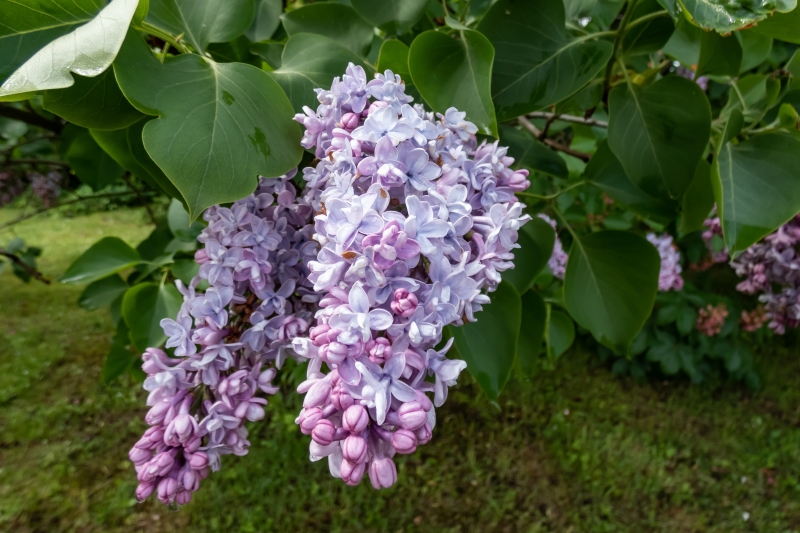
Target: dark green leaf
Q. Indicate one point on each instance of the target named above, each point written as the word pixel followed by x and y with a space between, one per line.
pixel 649 36
pixel 394 56
pixel 180 225
pixel 266 20
pixel 531 332
pixel 698 200
pixel 270 52
pixel 665 352
pixel 489 345
pixel 221 124
pixel 605 171
pixel 610 285
pixel 107 256
pixel 756 187
pixel 684 45
pixel 783 26
pixel 575 9
pixel 237 50
pixel 143 308
pixel 531 153
pixel 725 17
pixel 755 49
pixel 536 239
pixel 659 133
pixel 311 61
pixel 335 21
pixel 537 62
pixel 202 21
pixel 119 358
pixel 102 292
pixel 185 270
pixel 155 244
pixel 719 56
pixel 456 73
pixel 749 96
pixel 686 319
pixel 395 17
pixel 91 164
pixel 560 334
pixel 93 103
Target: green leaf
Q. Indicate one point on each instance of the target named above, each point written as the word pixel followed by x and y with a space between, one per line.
pixel 119 358
pixel 155 243
pixel 783 26
pixel 610 285
pixel 220 125
pixel 489 345
pixel 311 61
pixel 605 171
pixel 748 95
pixel 144 307
pixel 537 62
pixel 659 133
pixel 395 17
pixel 756 187
pixel 560 334
pixel 87 50
pixel 756 49
pixel 725 17
pixel 270 52
pixel 456 73
pixel 649 36
pixel 698 200
pixel 684 44
pixel 394 56
pixel 102 292
pixel 266 20
pixel 536 239
pixel 531 332
pixel 237 50
pixel 185 270
pixel 93 103
pixel 180 224
pixel 528 152
pixel 127 149
pixel 91 164
pixel 666 353
pixel 202 21
pixel 719 56
pixel 335 21
pixel 107 256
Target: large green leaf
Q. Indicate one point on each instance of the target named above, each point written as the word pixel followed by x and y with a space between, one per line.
pixel 93 103
pixel 395 17
pixel 560 333
pixel 756 49
pixel 266 20
pixel 536 239
pixel 220 125
pixel 127 149
pixel 719 56
pixel 107 256
pixel 335 21
pixel 87 50
pixel 489 345
pixel 650 36
pixel 537 62
pixel 102 292
pixel 180 225
pixel 456 73
pixel 610 285
pixel 684 45
pixel 119 358
pixel 726 16
pixel 783 26
pixel 659 133
pixel 91 164
pixel 605 171
pixel 533 319
pixel 531 153
pixel 698 200
pixel 202 21
pixel 310 61
pixel 756 187
pixel 144 307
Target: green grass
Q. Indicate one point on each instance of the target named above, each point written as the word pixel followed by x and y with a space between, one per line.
pixel 574 450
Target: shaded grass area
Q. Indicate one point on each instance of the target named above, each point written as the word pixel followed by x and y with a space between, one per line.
pixel 574 450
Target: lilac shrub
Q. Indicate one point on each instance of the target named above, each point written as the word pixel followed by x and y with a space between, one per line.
pixel 669 277
pixel 228 340
pixel 416 223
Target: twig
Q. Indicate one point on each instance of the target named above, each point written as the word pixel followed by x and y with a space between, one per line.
pixel 547 124
pixel 79 199
pixel 554 195
pixel 25 266
pixel 569 118
pixel 49 162
pixel 551 143
pixel 31 118
pixel 127 179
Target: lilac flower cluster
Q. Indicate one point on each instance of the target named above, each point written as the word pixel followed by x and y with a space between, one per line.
pixel 416 223
pixel 558 259
pixel 714 229
pixel 228 341
pixel 12 185
pixel 47 187
pixel 669 277
pixel 774 262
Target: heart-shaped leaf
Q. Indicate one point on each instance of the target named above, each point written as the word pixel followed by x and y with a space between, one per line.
pixel 144 307
pixel 725 16
pixel 649 36
pixel 659 133
pixel 537 62
pixel 335 21
pixel 102 292
pixel 560 333
pixel 220 125
pixel 91 164
pixel 610 285
pixel 394 56
pixel 455 73
pixel 533 319
pixel 395 17
pixel 266 21
pixel 107 256
pixel 201 22
pixel 536 239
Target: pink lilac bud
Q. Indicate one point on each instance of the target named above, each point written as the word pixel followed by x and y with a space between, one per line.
pixel 144 490
pixel 180 430
pixel 519 180
pixel 404 303
pixel 354 449
pixel 336 352
pixel 151 438
pixel 183 497
pixel 324 432
pixel 139 456
pixel 355 419
pixel 157 413
pixel 351 472
pixel 201 256
pixel 424 434
pixel 379 350
pixel 265 381
pixel 190 479
pixel 308 419
pixel 424 401
pixel 382 473
pixel 404 441
pixel 350 121
pixel 167 488
pixel 317 395
pixel 152 357
pixel 412 416
pixel 198 461
pixel 340 399
pixel 192 445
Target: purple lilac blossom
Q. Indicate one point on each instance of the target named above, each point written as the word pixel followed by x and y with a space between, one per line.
pixel 669 277
pixel 228 341
pixel 714 229
pixel 416 222
pixel 558 259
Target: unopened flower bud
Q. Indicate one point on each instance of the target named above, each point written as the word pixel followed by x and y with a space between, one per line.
pixel 167 488
pixel 324 432
pixel 198 461
pixel 201 256
pixel 308 420
pixel 265 381
pixel 190 479
pixel 382 473
pixel 157 413
pixel 355 419
pixel 183 497
pixel 139 455
pixel 404 303
pixel 423 434
pixel 424 401
pixel 349 121
pixel 354 449
pixel 404 441
pixel 151 359
pixel 519 180
pixel 351 472
pixel 341 399
pixel 144 490
pixel 412 415
pixel 317 394
pixel 379 350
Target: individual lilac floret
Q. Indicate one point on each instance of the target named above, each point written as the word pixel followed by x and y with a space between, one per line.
pixel 558 259
pixel 416 223
pixel 228 341
pixel 669 277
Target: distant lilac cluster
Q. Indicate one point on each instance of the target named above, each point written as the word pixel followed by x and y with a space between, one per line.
pixel 228 340
pixel 416 223
pixel 719 254
pixel 669 277
pixel 774 262
pixel 558 259
pixel 12 185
